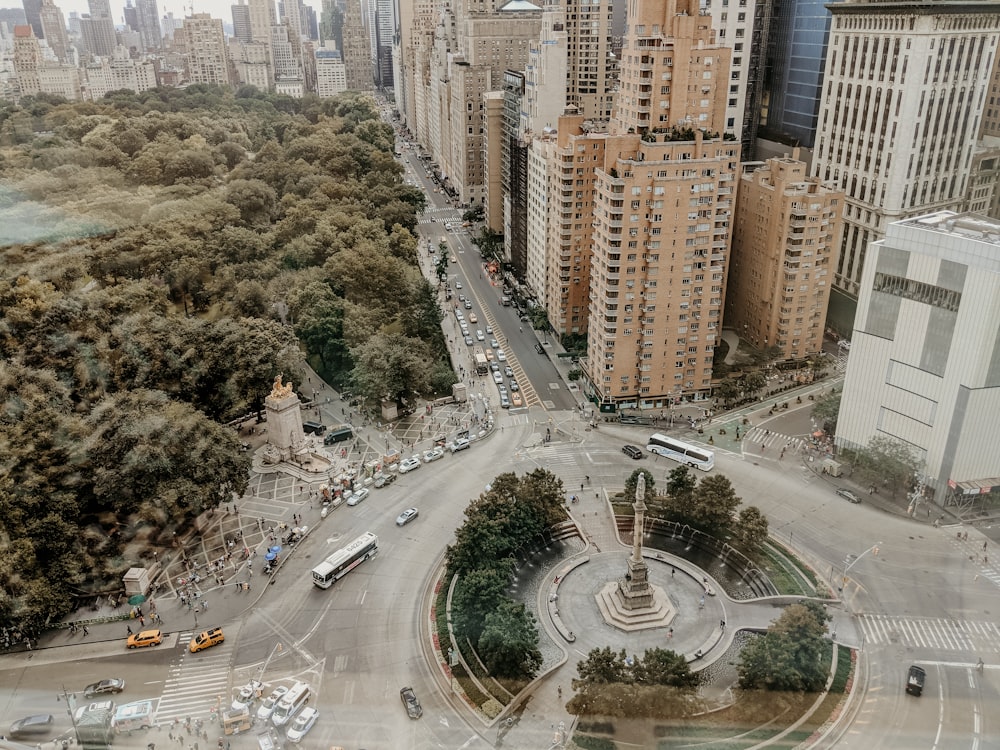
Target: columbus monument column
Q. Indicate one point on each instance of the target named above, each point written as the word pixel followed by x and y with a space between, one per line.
pixel 633 602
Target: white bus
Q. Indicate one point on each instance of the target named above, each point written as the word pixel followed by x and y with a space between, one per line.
pixel 690 455
pixel 343 561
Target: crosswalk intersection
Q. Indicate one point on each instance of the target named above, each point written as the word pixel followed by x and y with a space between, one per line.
pixel 931 632
pixel 774 440
pixel 196 684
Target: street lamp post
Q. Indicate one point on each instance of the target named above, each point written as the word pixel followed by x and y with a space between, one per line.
pixel 847 566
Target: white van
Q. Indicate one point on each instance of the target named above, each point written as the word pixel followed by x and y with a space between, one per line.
pixel 138 715
pixel 290 704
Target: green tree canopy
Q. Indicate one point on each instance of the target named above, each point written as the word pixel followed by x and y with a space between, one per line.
pixel 509 642
pixel 791 655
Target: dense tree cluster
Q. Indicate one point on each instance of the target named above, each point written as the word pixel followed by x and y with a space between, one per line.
pixel 709 506
pixel 224 229
pixel 791 654
pixel 499 524
pixel 660 684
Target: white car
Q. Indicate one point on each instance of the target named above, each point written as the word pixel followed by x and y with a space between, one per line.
pixel 494 344
pixel 489 330
pixel 267 707
pixel 508 372
pixel 501 356
pixel 248 694
pixel 358 496
pixel 458 285
pixel 302 724
pixel 460 444
pixel 480 336
pixel 513 385
pixel 406 516
pixel 433 455
pixel 409 464
pixel 497 378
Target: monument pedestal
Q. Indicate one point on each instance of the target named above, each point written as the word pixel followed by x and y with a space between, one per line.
pixel 284 421
pixel 658 613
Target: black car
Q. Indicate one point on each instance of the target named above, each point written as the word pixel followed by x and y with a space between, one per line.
pixel 32 726
pixel 113 685
pixel 632 451
pixel 409 698
pixel 915 679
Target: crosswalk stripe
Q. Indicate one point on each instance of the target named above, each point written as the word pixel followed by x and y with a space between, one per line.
pixel 931 632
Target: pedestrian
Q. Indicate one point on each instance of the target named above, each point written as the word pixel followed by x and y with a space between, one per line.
pixel 984 546
pixel 86 630
pixel 722 624
pixel 128 630
pixel 142 621
pixel 204 605
pixel 672 571
pixel 670 632
pixel 170 736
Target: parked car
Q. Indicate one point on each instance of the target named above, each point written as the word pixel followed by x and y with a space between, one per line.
pixel 501 355
pixel 247 695
pixel 458 284
pixel 504 401
pixel 508 371
pixel 359 496
pixel 145 638
pixel 514 386
pixel 849 496
pixel 111 685
pixel 469 341
pixel 460 444
pixel 497 378
pixel 302 724
pixel 433 455
pixel 515 399
pixel 472 317
pixel 267 707
pixel 539 348
pixel 632 451
pixel 31 726
pixel 494 367
pixel 409 464
pixel 406 516
pixel 468 306
pixel 206 639
pixel 410 702
pixel 480 336
pixel 489 330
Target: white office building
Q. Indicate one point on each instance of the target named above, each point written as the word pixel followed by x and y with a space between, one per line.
pixel 924 367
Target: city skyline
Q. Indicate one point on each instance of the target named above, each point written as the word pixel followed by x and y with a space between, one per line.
pixel 179 8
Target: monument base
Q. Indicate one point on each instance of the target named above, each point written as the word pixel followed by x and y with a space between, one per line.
pixel 659 614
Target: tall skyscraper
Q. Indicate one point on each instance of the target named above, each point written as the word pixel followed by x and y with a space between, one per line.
pixel 99 35
pixel 149 25
pixel 903 95
pixel 242 29
pixel 663 193
pixel 357 50
pixel 54 26
pixel 796 56
pixel 32 12
pixel 924 368
pixel 262 18
pixel 786 236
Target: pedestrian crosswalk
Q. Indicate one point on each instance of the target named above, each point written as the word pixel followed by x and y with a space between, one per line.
pixel 774 440
pixel 931 632
pixel 196 684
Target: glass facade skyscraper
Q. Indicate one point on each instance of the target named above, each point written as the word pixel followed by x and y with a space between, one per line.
pixel 796 56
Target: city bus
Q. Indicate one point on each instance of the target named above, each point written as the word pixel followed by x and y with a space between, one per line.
pixel 343 561
pixel 690 455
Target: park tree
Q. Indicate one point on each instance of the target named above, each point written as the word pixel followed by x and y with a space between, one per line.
pixel 754 382
pixel 751 531
pixel 728 390
pixel 508 645
pixel 441 266
pixel 885 462
pixel 477 594
pixel 633 481
pixel 681 486
pixel 660 683
pixel 791 655
pixel 826 411
pixel 715 503
pixel 391 366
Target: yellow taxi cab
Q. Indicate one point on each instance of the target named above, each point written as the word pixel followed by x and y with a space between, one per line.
pixel 206 639
pixel 145 638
